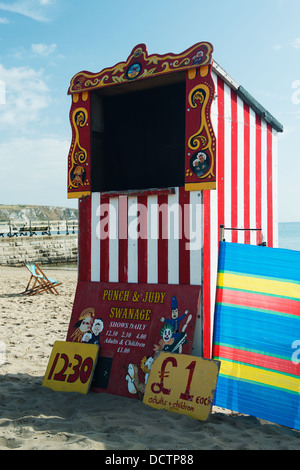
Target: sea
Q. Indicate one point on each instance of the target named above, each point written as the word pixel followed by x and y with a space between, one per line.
pixel 289 235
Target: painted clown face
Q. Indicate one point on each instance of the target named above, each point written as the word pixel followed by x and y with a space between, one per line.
pixel 167 333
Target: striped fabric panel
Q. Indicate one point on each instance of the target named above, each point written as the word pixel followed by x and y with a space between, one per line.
pixel 149 246
pixel 257 322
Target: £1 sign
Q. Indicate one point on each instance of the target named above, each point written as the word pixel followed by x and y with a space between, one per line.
pixel 183 384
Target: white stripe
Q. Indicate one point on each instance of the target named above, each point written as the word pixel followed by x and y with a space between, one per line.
pixel 95 240
pixel 152 265
pixel 252 179
pixel 173 238
pixel 196 234
pixel 132 240
pixel 113 240
pixel 275 188
pixel 264 180
pixel 240 171
pixel 227 161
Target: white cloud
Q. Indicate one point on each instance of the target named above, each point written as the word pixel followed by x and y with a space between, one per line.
pixel 277 47
pixel 4 21
pixel 34 9
pixel 26 95
pixel 38 170
pixel 43 49
pixel 296 43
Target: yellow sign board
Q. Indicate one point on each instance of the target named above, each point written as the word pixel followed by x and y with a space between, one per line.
pixel 183 384
pixel 71 367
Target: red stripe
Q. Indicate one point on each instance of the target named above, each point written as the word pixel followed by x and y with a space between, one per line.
pixel 250 299
pixel 206 276
pixel 269 186
pixel 258 177
pixel 162 243
pixel 247 172
pixel 220 151
pixel 260 360
pixel 184 252
pixel 142 240
pixel 104 244
pixel 234 171
pixel 84 240
pixel 123 239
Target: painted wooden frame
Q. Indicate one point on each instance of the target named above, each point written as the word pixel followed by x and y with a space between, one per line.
pixel 200 140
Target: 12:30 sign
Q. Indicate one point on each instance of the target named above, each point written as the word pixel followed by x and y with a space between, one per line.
pixel 71 366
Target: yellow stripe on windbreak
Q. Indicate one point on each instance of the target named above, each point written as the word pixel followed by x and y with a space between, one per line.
pixel 259 284
pixel 254 374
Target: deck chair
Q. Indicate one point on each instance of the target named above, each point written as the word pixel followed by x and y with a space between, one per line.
pixel 39 282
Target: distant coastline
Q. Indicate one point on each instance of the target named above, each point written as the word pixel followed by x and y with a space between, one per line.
pixel 288 232
pixel 289 235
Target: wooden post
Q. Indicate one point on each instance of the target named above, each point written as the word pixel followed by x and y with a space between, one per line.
pixel 221 236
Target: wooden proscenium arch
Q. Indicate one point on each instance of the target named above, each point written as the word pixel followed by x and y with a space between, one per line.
pixel 193 66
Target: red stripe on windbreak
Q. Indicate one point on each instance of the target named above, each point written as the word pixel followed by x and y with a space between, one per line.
pixel 234 171
pixel 104 243
pixel 123 238
pixel 220 151
pixel 269 186
pixel 184 237
pixel 206 276
pixel 84 239
pixel 252 300
pixel 162 243
pixel 247 172
pixel 260 360
pixel 258 177
pixel 142 240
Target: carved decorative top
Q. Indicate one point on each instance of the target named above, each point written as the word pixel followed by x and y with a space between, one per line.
pixel 140 65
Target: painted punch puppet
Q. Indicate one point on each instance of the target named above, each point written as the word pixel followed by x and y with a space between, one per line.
pixel 88 328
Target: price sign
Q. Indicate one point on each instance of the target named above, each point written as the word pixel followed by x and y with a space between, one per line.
pixel 183 384
pixel 71 367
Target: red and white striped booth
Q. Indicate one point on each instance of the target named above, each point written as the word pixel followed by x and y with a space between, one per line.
pixel 147 212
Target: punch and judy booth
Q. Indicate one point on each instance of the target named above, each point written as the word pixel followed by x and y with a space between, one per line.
pixel 165 149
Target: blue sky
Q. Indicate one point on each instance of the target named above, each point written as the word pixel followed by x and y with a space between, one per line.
pixel 43 43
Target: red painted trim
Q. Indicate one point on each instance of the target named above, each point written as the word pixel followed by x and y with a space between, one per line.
pixel 162 243
pixel 123 239
pixel 84 239
pixel 143 241
pixel 249 299
pixel 234 163
pixel 221 152
pixel 206 276
pixel 258 177
pixel 104 250
pixel 184 239
pixel 259 360
pixel 269 186
pixel 247 172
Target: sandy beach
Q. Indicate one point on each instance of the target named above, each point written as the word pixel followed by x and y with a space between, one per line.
pixel 33 417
